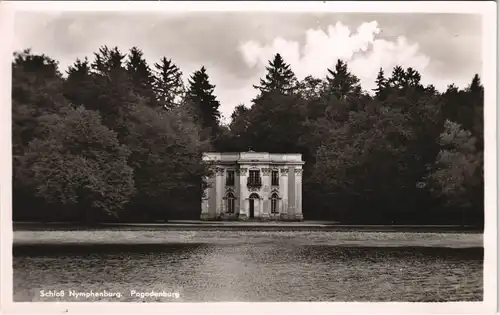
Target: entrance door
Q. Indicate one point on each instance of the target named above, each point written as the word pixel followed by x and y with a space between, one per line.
pixel 251 208
pixel 253 199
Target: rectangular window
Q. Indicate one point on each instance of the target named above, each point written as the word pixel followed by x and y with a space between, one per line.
pixel 275 178
pixel 254 177
pixel 230 178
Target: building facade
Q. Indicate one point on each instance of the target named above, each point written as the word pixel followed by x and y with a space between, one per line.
pixel 253 185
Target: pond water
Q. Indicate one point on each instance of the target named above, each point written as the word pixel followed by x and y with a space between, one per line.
pixel 271 269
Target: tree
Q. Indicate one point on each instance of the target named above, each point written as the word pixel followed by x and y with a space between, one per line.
pixel 141 76
pixel 402 82
pixel 465 107
pixel 382 83
pixel 201 94
pixel 77 164
pixel 108 61
pixel 458 173
pixel 312 92
pixel 113 92
pixel 424 119
pixel 311 88
pixel 78 86
pixel 412 77
pixel 166 155
pixel 431 89
pixel 476 91
pixel 398 79
pixel 272 124
pixel 36 91
pixel 341 83
pixel 233 137
pixel 358 163
pixel 239 119
pixel 279 78
pixel 168 84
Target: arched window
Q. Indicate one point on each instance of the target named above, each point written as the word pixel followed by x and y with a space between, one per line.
pixel 274 203
pixel 230 202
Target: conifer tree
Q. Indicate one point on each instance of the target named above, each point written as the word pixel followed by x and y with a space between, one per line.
pixel 168 84
pixel 113 92
pixel 431 89
pixel 412 77
pixel 341 82
pixel 108 60
pixel 476 91
pixel 141 76
pixel 201 94
pixel 272 123
pixel 77 87
pixel 381 81
pixel 279 78
pixel 475 86
pixel 397 80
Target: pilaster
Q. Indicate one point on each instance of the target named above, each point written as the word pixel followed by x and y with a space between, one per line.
pixel 205 204
pixel 243 194
pixel 219 190
pixel 291 193
pixel 284 190
pixel 209 202
pixel 298 194
pixel 265 208
pixel 237 192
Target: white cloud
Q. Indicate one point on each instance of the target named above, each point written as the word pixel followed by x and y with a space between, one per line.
pixel 362 47
pixel 362 50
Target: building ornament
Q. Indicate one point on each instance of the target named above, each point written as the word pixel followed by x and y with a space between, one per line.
pixel 253 189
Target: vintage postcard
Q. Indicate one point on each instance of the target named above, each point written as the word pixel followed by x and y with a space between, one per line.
pixel 262 157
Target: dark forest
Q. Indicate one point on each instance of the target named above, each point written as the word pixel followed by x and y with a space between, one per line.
pixel 115 139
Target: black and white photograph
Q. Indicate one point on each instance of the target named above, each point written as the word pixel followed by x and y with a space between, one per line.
pixel 159 155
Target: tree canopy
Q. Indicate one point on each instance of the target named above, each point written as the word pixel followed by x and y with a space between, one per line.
pixel 118 139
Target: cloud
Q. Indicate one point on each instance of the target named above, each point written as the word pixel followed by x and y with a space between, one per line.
pixel 235 47
pixel 364 52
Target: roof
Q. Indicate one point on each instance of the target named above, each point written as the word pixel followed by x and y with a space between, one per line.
pixel 253 157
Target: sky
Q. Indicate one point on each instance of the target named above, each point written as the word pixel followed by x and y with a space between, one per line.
pixel 235 47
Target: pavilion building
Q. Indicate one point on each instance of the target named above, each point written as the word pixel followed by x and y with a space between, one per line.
pixel 253 185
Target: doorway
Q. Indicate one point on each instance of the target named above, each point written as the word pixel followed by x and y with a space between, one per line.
pixel 252 201
pixel 251 210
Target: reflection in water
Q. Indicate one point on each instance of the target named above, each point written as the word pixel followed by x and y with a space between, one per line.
pixel 261 271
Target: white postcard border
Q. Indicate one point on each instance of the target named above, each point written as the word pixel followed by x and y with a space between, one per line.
pixel 488 10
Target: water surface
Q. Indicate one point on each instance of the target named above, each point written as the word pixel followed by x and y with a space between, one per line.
pixel 267 267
